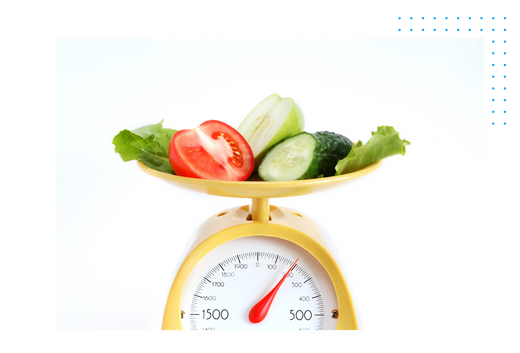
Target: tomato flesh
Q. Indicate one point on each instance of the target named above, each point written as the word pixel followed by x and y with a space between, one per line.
pixel 214 150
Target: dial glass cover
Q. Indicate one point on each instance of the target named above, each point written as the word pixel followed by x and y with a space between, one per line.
pixel 224 286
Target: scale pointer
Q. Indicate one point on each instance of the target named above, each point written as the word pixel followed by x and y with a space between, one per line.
pixel 258 312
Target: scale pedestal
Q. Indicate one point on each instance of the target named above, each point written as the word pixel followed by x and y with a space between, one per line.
pixel 260 220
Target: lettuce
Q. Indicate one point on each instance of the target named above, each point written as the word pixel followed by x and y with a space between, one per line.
pixel 148 144
pixel 385 142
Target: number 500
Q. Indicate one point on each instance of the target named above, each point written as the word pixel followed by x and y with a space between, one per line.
pixel 300 315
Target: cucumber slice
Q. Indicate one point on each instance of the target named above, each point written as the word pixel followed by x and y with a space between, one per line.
pixel 304 156
pixel 291 159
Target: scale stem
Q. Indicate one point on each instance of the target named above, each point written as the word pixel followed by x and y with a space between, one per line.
pixel 260 209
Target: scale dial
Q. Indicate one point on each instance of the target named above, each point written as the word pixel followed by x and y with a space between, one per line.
pixel 223 287
pixel 235 263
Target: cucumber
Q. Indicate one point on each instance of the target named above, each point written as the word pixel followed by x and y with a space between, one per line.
pixel 304 156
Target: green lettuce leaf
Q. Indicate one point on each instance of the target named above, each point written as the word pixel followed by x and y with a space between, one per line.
pixel 148 144
pixel 385 142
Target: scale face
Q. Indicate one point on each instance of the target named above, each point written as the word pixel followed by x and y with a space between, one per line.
pixel 259 267
pixel 224 286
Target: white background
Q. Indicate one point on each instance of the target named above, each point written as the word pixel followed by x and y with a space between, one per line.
pixel 400 233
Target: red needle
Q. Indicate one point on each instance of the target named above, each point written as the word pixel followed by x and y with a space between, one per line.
pixel 259 311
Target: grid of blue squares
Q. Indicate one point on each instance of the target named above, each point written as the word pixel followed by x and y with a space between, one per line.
pixel 498 85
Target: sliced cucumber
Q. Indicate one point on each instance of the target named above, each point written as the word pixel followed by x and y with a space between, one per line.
pixel 291 159
pixel 304 156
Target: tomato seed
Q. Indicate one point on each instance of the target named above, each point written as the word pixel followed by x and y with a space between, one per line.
pixel 195 149
pixel 237 162
pixel 217 134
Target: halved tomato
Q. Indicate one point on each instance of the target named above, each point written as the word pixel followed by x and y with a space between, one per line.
pixel 214 150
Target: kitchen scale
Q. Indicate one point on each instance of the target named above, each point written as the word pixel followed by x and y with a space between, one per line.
pixel 259 266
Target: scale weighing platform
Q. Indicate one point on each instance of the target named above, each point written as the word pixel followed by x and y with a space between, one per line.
pixel 259 266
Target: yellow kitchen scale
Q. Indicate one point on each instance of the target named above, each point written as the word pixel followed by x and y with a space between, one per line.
pixel 259 266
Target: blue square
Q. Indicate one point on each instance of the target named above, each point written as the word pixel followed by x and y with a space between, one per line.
pixel 493 99
pixel 434 29
pixel 481 29
pixel 435 18
pixel 504 29
pixel 457 29
pixel 423 18
pixel 399 17
pixel 481 18
pixel 470 18
pixel 493 18
pixel 411 29
pixel 423 29
pixel 446 18
pixel 493 29
pixel 399 29
pixel 470 29
pixel 457 18
pixel 446 29
pixel 411 18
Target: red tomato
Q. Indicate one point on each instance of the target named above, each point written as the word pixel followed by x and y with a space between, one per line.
pixel 214 150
